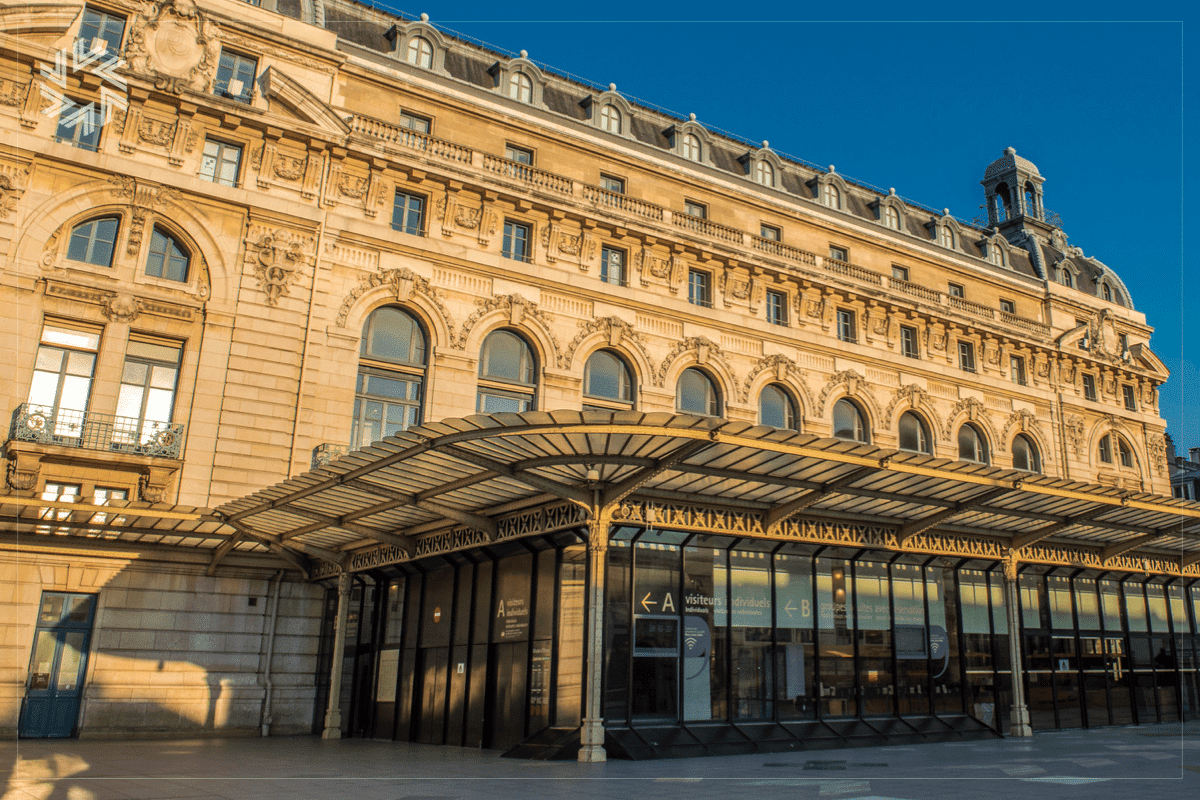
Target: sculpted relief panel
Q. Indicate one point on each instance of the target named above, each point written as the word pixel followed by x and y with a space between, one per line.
pixel 176 45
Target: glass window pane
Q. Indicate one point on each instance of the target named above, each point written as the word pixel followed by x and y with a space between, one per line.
pixel 70 663
pixel 1135 607
pixel 84 340
pixel 42 662
pixel 506 357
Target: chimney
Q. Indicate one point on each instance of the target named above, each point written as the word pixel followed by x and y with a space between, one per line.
pixel 1194 455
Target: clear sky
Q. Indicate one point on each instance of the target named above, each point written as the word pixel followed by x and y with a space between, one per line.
pixel 922 104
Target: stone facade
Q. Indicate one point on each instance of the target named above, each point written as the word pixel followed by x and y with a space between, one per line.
pixel 286 264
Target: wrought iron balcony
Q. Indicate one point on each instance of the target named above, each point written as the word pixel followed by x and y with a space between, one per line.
pixel 88 431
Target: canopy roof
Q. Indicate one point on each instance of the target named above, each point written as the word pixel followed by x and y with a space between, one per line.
pixel 476 473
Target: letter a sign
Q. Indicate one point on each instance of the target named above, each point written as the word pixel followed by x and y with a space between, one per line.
pixel 500 609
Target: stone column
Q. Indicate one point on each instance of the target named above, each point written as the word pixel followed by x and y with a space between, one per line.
pixel 592 734
pixel 1019 717
pixel 333 716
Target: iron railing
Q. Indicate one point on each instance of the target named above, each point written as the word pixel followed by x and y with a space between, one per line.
pixel 327 453
pixel 88 431
pixel 1045 215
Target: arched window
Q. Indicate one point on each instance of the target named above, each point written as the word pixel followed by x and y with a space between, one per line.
pixel 167 259
pixel 914 434
pixel 606 383
pixel 520 87
pixel 971 445
pixel 691 147
pixel 391 374
pixel 1066 277
pixel 93 241
pixel 764 173
pixel 1124 453
pixel 995 254
pixel 1025 454
pixel 775 408
pixel 1031 208
pixel 830 196
pixel 946 237
pixel 696 394
pixel 1106 291
pixel 848 422
pixel 420 52
pixel 610 119
pixel 891 218
pixel 506 374
pixel 1003 212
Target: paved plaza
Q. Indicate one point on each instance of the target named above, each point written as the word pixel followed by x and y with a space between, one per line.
pixel 1159 762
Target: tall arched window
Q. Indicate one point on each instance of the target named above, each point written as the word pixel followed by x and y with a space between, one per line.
pixel 606 383
pixel 691 147
pixel 764 173
pixel 520 87
pixel 391 374
pixel 507 371
pixel 775 408
pixel 971 445
pixel 1106 292
pixel 848 422
pixel 420 52
pixel 167 258
pixel 695 393
pixel 93 241
pixel 1003 211
pixel 1066 277
pixel 830 196
pixel 914 434
pixel 946 237
pixel 610 119
pixel 1025 454
pixel 995 254
pixel 891 218
pixel 1031 208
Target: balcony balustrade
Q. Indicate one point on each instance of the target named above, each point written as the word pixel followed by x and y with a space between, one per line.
pixel 88 431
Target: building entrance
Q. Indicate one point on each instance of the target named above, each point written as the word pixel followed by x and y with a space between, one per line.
pixel 57 665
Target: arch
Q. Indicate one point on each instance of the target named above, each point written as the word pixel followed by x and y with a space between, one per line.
pixel 615 334
pixel 414 293
pixel 973 444
pixel 996 250
pixel 969 409
pixel 690 131
pixel 1002 202
pixel 698 351
pixel 945 231
pixel 782 370
pixel 914 433
pixel 94 240
pixel 777 407
pixel 849 421
pixel 1026 422
pixel 830 190
pixel 520 73
pixel 609 100
pixel 889 211
pixel 1115 425
pixel 1026 455
pixel 607 377
pixel 518 313
pixel 910 397
pixel 698 392
pixel 508 374
pixel 850 384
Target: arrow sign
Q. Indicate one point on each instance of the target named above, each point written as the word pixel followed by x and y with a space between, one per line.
pixel 647 603
pixel 789 608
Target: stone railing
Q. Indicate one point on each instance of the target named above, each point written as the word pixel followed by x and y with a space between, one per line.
pixel 776 248
pixel 977 309
pixel 853 271
pixel 527 174
pixel 409 139
pixel 914 289
pixel 1039 329
pixel 603 197
pixel 87 431
pixel 706 227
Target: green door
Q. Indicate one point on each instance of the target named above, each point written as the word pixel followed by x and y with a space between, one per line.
pixel 57 665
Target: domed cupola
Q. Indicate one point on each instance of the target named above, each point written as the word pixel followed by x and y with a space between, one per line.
pixel 1013 189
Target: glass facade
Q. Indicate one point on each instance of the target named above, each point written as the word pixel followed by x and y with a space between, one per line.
pixel 703 632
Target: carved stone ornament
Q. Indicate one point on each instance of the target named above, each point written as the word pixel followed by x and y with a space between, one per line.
pixel 403 283
pixel 705 351
pixel 23 472
pixel 13 93
pixel 352 186
pixel 277 258
pixel 617 333
pixel 1156 446
pixel 783 369
pixel 121 308
pixel 288 168
pixel 12 186
pixel 175 44
pixel 156 132
pixel 1074 428
pixel 1023 421
pixel 911 395
pixel 850 378
pixel 974 409
pixel 518 309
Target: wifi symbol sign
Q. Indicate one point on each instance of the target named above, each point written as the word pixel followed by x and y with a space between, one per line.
pixel 690 641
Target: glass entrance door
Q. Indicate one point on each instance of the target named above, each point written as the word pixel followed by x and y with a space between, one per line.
pixel 1095 680
pixel 1119 681
pixel 57 665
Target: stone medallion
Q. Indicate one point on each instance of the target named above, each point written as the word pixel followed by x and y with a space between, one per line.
pixel 176 45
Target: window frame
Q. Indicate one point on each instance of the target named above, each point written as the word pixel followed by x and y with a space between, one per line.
pixel 602 402
pixel 956 290
pixel 607 182
pixel 910 345
pixel 772 233
pixel 1129 396
pixel 509 238
pixel 1007 306
pixel 519 154
pixel 493 386
pixel 92 240
pixel 776 305
pixel 924 434
pixel 839 253
pixel 1034 463
pixel 791 411
pixel 77 138
pixel 412 368
pixel 1016 366
pixel 145 427
pixel 714 402
pixel 406 212
pixel 610 118
pixel 520 87
pixel 700 287
pixel 861 432
pixel 415 54
pixel 219 161
pixel 691 207
pixel 607 275
pixel 408 117
pixel 900 273
pixel 847 325
pixel 691 148
pixel 104 18
pixel 1089 387
pixel 167 257
pixel 981 449
pixel 966 355
pixel 239 60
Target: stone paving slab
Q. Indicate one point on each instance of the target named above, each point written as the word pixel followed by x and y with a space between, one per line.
pixel 1103 764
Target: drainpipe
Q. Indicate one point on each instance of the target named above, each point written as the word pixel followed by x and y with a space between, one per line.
pixel 265 720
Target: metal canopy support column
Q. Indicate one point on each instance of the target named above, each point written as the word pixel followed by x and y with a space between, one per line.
pixel 333 716
pixel 592 735
pixel 1019 722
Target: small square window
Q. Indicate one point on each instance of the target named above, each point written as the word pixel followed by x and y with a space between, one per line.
pixel 1130 398
pixel 416 122
pixel 612 266
pixel 1007 306
pixel 908 342
pixel 408 214
pixel 966 356
pixel 236 74
pixel 846 329
pixel 79 125
pixel 221 162
pixel 516 245
pixel 899 273
pixel 1089 387
pixel 770 232
pixel 1017 368
pixel 839 253
pixel 699 288
pixel 955 290
pixel 694 209
pixel 777 308
pixel 518 154
pixel 611 184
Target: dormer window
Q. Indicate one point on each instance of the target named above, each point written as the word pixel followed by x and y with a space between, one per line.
pixel 831 196
pixel 520 87
pixel 891 218
pixel 1064 275
pixel 764 173
pixel 946 237
pixel 1106 292
pixel 690 149
pixel 420 52
pixel 610 119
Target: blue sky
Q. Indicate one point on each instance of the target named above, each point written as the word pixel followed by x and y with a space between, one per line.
pixel 924 105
